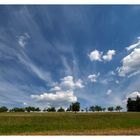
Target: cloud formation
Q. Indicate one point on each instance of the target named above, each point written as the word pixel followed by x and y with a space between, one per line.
pixel 69 83
pixel 130 63
pixel 23 39
pixel 132 95
pixel 60 98
pixel 56 88
pixel 93 77
pixel 134 45
pixel 109 55
pixel 62 94
pixel 95 55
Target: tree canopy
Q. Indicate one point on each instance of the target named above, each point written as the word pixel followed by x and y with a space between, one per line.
pixel 133 104
pixel 75 107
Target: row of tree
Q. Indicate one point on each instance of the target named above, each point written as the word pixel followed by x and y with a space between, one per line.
pixel 99 108
pixel 17 109
pixel 74 107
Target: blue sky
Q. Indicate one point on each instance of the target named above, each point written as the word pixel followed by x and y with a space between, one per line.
pixel 55 55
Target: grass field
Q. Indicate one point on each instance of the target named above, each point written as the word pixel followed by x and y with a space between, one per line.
pixel 114 123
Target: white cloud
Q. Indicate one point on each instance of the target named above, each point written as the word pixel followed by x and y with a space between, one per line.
pixel 130 63
pixel 22 39
pixel 109 91
pixel 109 55
pixel 132 95
pixel 56 88
pixel 95 55
pixel 78 84
pixel 60 98
pixel 93 77
pixel 69 83
pixel 134 45
pixel 61 94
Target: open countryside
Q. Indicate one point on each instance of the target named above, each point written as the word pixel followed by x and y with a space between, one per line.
pixel 69 69
pixel 30 121
pixel 104 123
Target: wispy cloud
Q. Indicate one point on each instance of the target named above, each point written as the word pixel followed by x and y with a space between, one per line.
pixel 44 75
pixel 131 47
pixel 23 40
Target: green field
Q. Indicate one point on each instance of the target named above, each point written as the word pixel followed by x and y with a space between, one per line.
pixel 114 123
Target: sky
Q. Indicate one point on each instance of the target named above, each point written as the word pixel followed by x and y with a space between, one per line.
pixel 53 55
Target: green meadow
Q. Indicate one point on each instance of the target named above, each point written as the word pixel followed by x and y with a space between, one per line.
pixel 68 123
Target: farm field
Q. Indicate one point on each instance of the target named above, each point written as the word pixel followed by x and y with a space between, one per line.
pixel 115 123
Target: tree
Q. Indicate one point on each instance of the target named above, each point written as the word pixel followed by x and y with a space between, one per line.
pixel 32 109
pixel 138 104
pixel 110 109
pixel 133 104
pixel 3 109
pixel 103 109
pixel 61 110
pixel 75 106
pixel 16 109
pixel 37 109
pixel 98 108
pixel 118 108
pixel 92 108
pixel 51 109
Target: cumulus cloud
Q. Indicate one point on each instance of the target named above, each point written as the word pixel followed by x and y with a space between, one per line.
pixel 69 83
pixel 22 39
pixel 95 55
pixel 62 94
pixel 109 55
pixel 134 45
pixel 132 95
pixel 109 91
pixel 130 63
pixel 93 77
pixel 60 98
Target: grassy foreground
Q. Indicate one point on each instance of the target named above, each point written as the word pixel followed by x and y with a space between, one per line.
pixel 115 123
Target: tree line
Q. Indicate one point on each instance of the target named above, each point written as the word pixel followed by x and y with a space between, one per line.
pixel 74 107
pixel 132 105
